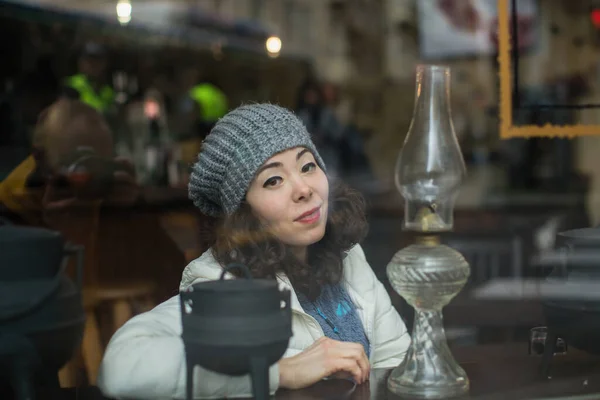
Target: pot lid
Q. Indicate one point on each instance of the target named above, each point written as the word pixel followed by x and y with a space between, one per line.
pixel 233 285
pixel 14 233
pixel 591 234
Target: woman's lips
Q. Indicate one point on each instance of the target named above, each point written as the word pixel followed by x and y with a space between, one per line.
pixel 310 217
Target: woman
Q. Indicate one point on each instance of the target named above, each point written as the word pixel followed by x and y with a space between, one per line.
pixel 259 173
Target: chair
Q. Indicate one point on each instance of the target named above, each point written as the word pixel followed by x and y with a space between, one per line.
pixel 82 227
pixel 489 255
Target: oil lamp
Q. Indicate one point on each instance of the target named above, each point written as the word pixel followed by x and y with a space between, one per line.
pixel 428 274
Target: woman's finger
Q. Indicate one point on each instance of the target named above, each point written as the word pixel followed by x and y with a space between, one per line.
pixel 349 365
pixel 355 352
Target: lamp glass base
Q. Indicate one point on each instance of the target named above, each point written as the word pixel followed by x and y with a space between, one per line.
pixel 428 275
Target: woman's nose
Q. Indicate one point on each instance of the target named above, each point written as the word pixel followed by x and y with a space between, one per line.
pixel 302 190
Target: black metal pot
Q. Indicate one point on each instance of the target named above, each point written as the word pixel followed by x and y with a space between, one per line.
pixel 29 253
pixel 578 321
pixel 41 313
pixel 236 327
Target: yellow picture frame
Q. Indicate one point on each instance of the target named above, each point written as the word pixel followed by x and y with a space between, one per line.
pixel 507 128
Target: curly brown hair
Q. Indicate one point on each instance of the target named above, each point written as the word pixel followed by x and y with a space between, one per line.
pixel 240 238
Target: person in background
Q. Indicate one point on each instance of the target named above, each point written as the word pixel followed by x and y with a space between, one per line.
pixel 321 122
pixel 339 105
pixel 73 184
pixel 211 103
pixel 262 179
pixel 89 85
pixel 354 164
pixel 66 131
pixel 198 105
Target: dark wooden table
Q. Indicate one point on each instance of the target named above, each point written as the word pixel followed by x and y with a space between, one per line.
pixel 495 372
pixel 160 197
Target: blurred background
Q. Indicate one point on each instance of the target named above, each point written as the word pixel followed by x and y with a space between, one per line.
pixel 160 73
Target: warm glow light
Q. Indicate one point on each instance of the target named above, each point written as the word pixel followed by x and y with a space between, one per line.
pixel 595 16
pixel 151 109
pixel 273 45
pixel 124 11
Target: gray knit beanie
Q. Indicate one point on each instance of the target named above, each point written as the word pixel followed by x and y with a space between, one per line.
pixel 238 145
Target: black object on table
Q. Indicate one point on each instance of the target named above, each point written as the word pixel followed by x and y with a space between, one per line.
pixel 235 327
pixel 578 321
pixel 41 314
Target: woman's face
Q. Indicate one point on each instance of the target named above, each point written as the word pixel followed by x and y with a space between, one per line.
pixel 289 195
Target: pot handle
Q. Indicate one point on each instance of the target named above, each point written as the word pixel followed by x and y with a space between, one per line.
pixel 231 266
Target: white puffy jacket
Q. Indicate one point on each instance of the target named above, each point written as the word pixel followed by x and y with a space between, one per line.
pixel 145 358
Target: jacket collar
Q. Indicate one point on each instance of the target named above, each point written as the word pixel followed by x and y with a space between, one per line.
pixel 284 283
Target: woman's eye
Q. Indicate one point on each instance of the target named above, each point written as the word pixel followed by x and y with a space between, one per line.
pixel 272 181
pixel 309 167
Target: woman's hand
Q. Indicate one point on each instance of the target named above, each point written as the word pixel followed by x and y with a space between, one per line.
pixel 326 357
